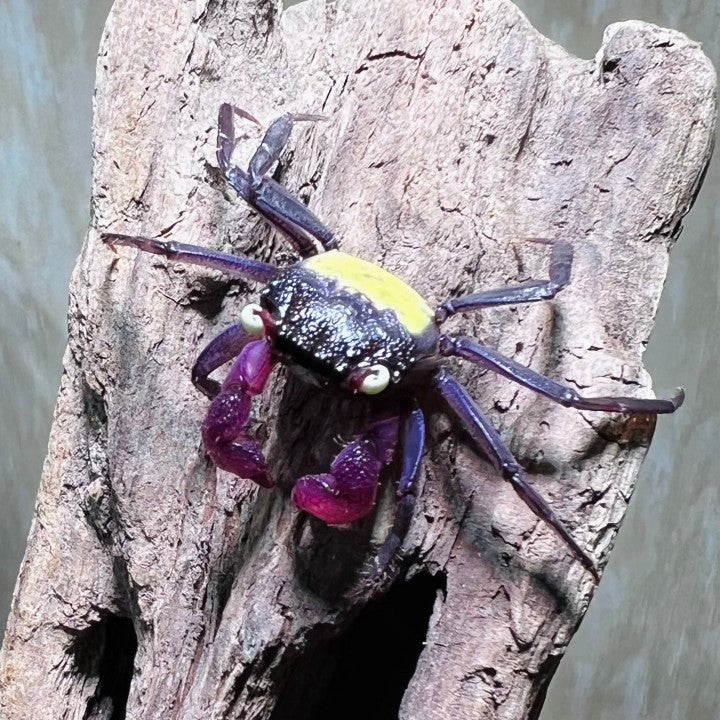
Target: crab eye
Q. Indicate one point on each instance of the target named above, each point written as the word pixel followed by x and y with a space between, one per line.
pixel 376 380
pixel 251 319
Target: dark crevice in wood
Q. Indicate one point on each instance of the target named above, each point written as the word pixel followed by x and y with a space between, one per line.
pixel 95 409
pixel 207 296
pixel 610 65
pixel 105 652
pixel 364 672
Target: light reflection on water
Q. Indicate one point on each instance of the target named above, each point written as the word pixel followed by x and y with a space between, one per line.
pixel 650 645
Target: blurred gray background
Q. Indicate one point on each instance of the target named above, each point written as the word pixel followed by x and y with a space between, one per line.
pixel 650 644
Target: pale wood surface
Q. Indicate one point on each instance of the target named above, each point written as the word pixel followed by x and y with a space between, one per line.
pixel 454 131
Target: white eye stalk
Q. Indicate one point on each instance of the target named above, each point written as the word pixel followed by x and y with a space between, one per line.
pixel 250 319
pixel 376 380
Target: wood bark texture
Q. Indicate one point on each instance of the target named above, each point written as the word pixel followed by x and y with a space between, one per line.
pixel 455 130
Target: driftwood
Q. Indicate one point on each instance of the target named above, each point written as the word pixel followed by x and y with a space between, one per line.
pixel 155 586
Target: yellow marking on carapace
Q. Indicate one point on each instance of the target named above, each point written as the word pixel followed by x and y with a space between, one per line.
pixel 383 289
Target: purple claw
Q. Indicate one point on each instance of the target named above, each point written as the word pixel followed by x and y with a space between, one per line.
pixel 348 491
pixel 223 430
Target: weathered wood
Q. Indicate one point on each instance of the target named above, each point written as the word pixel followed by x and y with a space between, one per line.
pixel 455 131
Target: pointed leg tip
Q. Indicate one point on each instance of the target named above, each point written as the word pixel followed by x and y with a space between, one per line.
pixel 112 240
pixel 679 398
pixel 244 114
pixel 587 563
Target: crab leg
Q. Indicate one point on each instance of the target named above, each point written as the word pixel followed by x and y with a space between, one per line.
pixel 493 360
pixel 483 433
pixel 217 352
pixel 530 291
pixel 270 199
pixel 235 265
pixel 348 491
pixel 412 439
pixel 272 145
pixel 224 428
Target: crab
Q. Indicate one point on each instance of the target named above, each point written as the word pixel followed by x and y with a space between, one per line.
pixel 337 320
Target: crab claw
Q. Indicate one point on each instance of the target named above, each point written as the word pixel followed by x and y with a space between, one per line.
pixel 348 491
pixel 224 439
pixel 224 428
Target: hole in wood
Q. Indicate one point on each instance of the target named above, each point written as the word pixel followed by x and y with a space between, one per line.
pixel 105 653
pixel 364 672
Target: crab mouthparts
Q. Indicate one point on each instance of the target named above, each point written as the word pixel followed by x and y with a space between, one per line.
pixel 269 324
